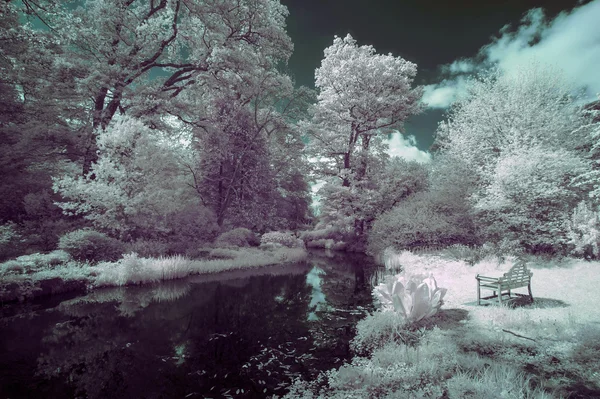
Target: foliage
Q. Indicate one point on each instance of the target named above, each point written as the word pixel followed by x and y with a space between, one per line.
pixel 223 253
pixel 418 222
pixel 281 238
pixel 519 136
pixel 148 248
pixel 583 231
pixel 44 222
pixel 351 211
pixel 412 297
pixel 361 94
pixel 136 186
pixel 90 245
pixel 27 264
pixel 528 202
pixel 361 97
pixel 132 269
pixel 10 240
pixel 238 237
pixel 376 330
pixel 436 215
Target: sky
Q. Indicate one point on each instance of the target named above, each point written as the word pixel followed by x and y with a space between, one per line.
pixel 450 41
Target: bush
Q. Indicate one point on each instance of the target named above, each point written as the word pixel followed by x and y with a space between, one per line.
pixel 90 245
pixel 148 248
pixel 419 221
pixel 375 331
pixel 10 240
pixel 223 253
pixel 285 239
pixel 240 237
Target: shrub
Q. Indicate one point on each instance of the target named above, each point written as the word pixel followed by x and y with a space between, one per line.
pixel 35 262
pixel 148 248
pixel 471 255
pixel 223 253
pixel 375 330
pixel 90 245
pixel 419 221
pixel 240 237
pixel 413 298
pixel 285 239
pixel 10 240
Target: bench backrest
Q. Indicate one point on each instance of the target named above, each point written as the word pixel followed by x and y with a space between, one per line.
pixel 518 273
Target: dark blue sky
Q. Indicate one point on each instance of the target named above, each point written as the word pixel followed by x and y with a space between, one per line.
pixel 430 33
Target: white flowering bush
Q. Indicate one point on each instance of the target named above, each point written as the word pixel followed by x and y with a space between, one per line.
pixel 285 239
pixel 413 298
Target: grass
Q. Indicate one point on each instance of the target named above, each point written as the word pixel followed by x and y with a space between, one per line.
pixel 132 269
pixel 21 278
pixel 546 349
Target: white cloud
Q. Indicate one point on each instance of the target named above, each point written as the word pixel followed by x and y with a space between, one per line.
pixel 443 94
pixel 406 147
pixel 570 42
pixel 460 66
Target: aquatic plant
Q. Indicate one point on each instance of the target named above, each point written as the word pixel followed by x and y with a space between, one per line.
pixel 414 298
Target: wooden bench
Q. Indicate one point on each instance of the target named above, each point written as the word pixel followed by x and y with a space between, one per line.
pixel 518 276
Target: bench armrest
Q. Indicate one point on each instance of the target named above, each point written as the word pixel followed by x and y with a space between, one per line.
pixel 487 279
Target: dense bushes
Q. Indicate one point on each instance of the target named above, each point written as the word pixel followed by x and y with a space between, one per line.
pixel 280 238
pixel 240 237
pixel 419 221
pixel 90 245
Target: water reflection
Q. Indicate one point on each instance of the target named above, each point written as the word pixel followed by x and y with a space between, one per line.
pixel 317 296
pixel 211 336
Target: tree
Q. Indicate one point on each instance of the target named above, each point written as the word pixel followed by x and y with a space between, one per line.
pixel 140 183
pixel 353 211
pixel 361 94
pixel 437 214
pixel 137 57
pixel 40 115
pixel 519 136
pixel 249 148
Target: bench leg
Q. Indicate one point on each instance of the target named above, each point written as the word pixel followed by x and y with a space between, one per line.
pixel 529 289
pixel 509 293
pixel 478 293
pixel 499 294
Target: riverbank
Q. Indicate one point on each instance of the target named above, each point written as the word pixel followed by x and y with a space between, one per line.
pixel 37 275
pixel 546 349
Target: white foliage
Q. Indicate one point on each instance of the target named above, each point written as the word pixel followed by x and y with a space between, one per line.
pixel 584 229
pixel 412 297
pixel 137 179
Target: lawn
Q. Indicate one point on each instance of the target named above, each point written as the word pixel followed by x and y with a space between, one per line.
pixel 546 349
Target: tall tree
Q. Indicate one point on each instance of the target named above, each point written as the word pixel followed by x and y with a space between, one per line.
pixel 360 94
pixel 137 56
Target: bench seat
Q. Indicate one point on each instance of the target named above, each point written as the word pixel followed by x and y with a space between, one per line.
pixel 518 276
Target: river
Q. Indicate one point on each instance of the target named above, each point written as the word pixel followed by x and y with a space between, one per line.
pixel 244 334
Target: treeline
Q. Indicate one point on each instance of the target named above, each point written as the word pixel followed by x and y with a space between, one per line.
pixel 164 124
pixel 166 121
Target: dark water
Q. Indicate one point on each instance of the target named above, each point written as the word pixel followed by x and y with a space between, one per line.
pixel 240 334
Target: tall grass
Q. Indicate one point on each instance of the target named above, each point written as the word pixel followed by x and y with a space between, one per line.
pixel 132 269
